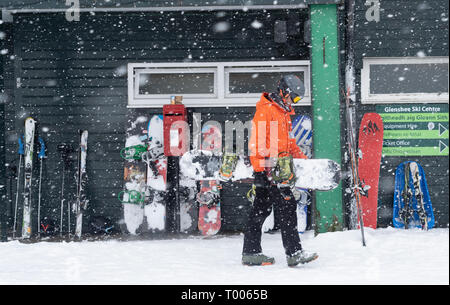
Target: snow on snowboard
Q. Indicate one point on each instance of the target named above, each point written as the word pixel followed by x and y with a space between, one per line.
pixel 313 174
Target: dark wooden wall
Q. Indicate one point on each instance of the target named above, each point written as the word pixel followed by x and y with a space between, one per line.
pixel 406 28
pixel 73 75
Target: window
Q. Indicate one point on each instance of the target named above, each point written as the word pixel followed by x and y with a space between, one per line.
pixel 209 84
pixel 162 82
pixel 404 79
pixel 241 81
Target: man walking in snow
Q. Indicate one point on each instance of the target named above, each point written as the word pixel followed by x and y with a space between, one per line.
pixel 274 182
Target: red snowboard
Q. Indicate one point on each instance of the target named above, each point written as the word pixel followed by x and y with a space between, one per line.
pixel 370 143
pixel 209 218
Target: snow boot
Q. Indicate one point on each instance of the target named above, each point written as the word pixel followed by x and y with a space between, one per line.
pixel 258 259
pixel 301 257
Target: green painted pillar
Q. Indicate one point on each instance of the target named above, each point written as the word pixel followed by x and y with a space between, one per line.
pixel 325 102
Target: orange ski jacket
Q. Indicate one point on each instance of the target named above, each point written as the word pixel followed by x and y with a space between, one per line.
pixel 270 136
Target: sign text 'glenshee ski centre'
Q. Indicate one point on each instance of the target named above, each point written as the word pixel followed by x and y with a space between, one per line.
pixel 415 130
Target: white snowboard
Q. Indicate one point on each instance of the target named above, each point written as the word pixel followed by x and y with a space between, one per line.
pixel 314 174
pixel 156 210
pixel 133 213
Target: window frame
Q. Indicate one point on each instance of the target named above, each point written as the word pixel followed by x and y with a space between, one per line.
pixel 204 70
pixel 221 97
pixel 368 98
pixel 230 70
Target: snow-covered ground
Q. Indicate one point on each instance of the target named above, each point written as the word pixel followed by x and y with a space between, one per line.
pixel 392 256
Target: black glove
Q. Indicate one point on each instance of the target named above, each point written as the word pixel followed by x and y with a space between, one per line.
pixel 261 180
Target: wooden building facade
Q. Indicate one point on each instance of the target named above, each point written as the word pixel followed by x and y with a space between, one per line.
pixel 70 69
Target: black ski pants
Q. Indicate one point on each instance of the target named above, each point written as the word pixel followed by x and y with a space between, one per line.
pixel 262 206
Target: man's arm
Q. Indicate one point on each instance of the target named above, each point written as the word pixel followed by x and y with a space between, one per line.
pixel 295 151
pixel 256 159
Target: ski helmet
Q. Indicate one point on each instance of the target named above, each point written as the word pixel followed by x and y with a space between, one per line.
pixel 291 85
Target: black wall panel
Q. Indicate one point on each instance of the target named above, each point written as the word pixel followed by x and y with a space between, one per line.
pixel 73 75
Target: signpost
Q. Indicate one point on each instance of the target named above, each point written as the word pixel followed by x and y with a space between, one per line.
pixel 415 129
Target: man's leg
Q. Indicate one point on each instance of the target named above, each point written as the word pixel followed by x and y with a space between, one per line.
pixel 287 210
pixel 261 208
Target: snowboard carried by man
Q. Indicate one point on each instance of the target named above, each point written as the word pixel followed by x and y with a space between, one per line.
pixel 312 174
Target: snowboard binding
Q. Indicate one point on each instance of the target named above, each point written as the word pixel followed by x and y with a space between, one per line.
pixel 133 152
pixel 131 196
pixel 283 173
pixel 208 198
pixel 229 162
pixel 209 195
pixel 153 153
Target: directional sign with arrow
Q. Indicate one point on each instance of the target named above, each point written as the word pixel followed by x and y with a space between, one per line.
pixel 415 129
pixel 442 130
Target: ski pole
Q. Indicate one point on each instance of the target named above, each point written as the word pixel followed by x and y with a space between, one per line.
pixel 41 156
pixel 68 217
pixel 21 152
pixel 63 150
pixel 81 203
pixel 62 192
pixel 354 165
pixel 62 202
pixel 78 181
pixel 77 205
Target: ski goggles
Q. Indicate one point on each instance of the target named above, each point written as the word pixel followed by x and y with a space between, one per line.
pixel 295 98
